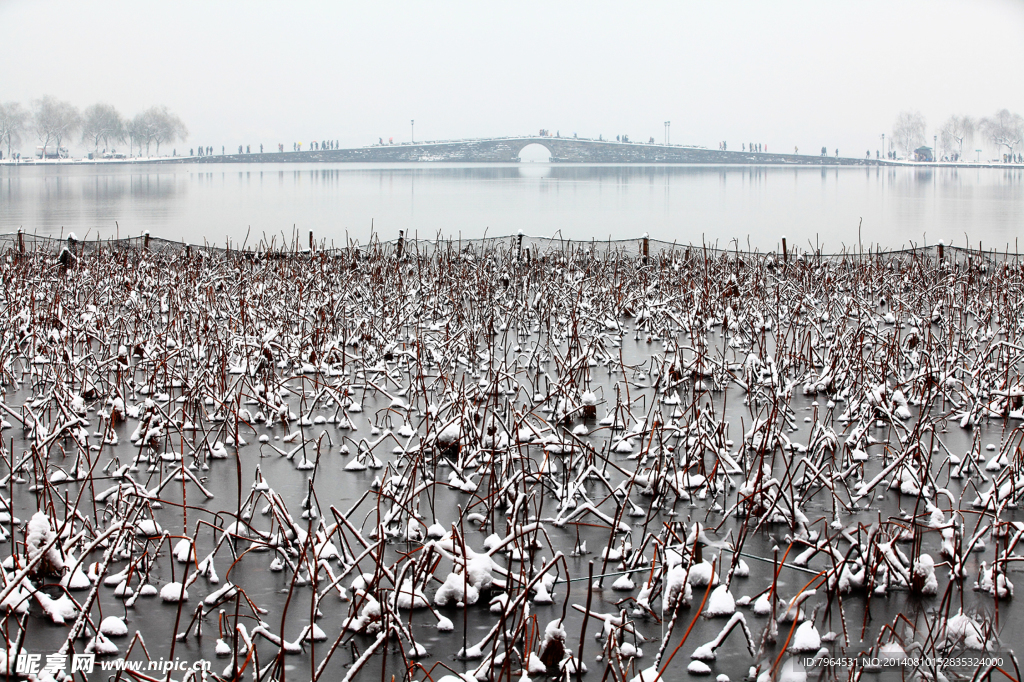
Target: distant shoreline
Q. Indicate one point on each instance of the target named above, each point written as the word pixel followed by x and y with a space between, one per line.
pixel 562 150
pixel 301 157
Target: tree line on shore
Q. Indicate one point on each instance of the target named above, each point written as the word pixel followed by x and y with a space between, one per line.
pixel 1003 129
pixel 54 122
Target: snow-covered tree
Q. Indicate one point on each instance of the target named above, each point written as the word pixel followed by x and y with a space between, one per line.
pixel 54 120
pixel 102 122
pixel 908 131
pixel 1004 129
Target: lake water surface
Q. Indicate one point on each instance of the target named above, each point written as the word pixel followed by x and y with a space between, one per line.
pixel 756 205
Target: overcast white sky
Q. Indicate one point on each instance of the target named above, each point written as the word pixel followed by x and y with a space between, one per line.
pixel 783 73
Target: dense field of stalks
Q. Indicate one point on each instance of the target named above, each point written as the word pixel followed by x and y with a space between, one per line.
pixel 422 460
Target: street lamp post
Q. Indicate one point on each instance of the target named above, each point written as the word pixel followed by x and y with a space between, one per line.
pixel 412 124
pixel 979 155
pixel 883 145
pixel 935 147
pixel 668 124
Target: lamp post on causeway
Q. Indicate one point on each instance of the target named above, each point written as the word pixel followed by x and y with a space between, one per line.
pixel 668 124
pixel 883 146
pixel 935 148
pixel 412 124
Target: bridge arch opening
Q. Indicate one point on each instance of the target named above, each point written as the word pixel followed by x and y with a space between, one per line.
pixel 535 153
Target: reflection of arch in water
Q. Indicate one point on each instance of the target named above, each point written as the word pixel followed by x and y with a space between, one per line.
pixel 535 152
pixel 534 170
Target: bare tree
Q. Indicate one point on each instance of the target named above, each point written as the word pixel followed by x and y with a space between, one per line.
pixel 144 128
pixel 13 120
pixel 54 120
pixel 135 132
pixel 955 131
pixel 102 122
pixel 158 125
pixel 1004 129
pixel 908 131
pixel 167 127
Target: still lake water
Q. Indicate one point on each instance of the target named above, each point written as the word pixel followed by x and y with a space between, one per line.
pixel 688 204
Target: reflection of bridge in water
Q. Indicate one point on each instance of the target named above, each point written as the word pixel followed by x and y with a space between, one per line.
pixel 507 149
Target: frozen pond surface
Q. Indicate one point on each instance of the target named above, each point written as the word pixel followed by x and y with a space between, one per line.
pixel 336 433
pixel 214 203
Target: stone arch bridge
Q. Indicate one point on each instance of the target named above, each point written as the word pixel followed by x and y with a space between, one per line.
pixel 507 149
